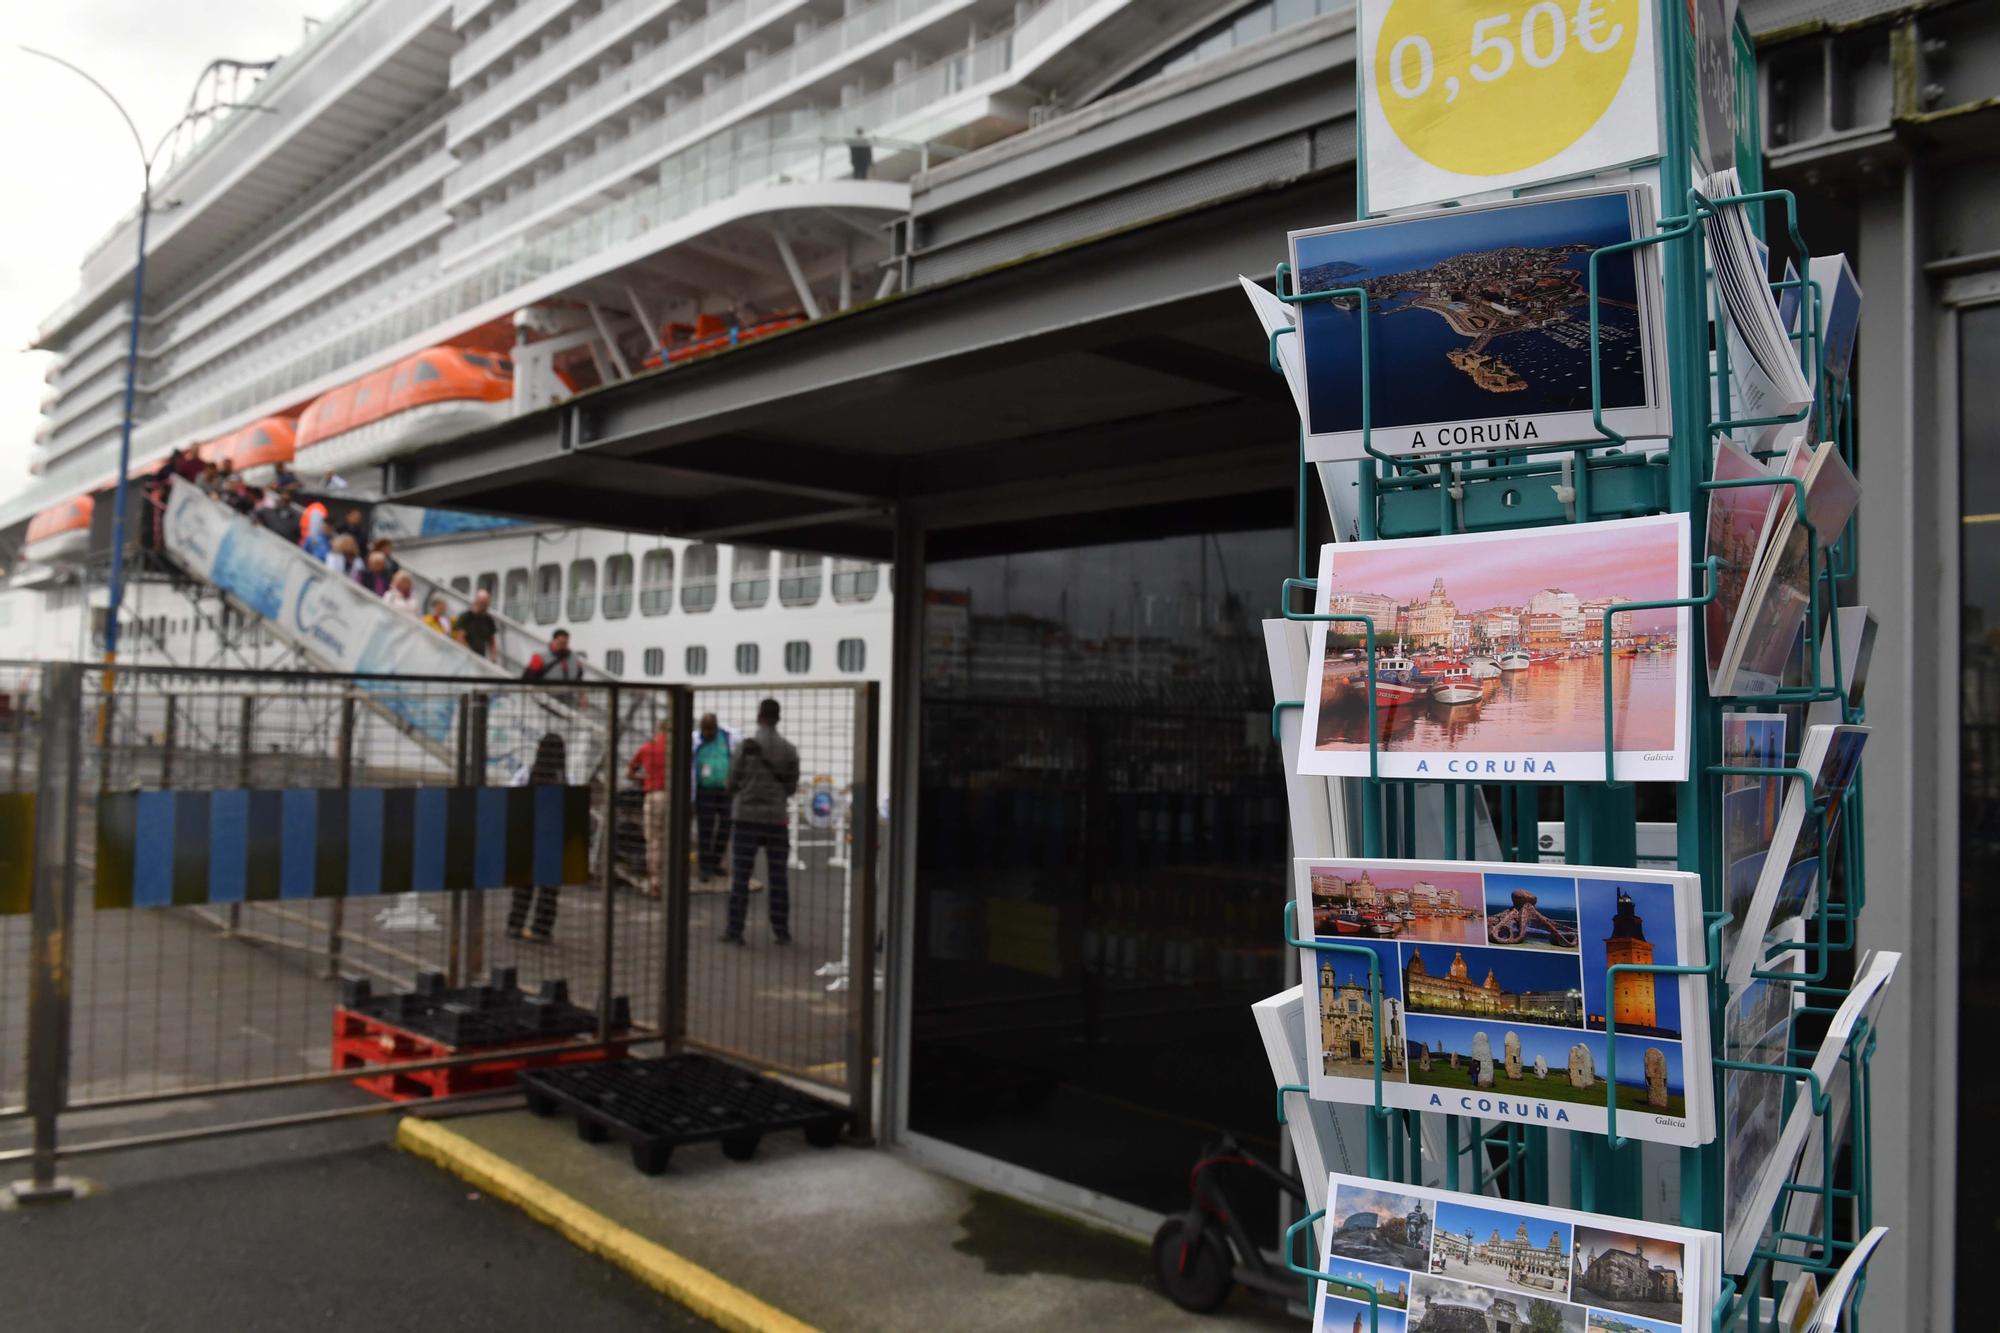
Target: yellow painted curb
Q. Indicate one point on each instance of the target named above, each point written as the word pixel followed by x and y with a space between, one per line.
pixel 720 1302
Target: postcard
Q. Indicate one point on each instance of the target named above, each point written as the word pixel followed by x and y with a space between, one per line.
pixel 1489 655
pixel 1765 374
pixel 1799 1304
pixel 1478 327
pixel 1751 807
pixel 1827 1314
pixel 1788 882
pixel 1850 634
pixel 1739 525
pixel 1871 985
pixel 1438 1259
pixel 1757 1030
pixel 1779 595
pixel 1495 993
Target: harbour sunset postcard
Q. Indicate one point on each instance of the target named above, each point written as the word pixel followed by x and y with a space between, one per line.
pixel 1489 657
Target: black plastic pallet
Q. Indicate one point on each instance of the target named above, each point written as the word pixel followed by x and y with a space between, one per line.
pixel 657 1105
pixel 499 1013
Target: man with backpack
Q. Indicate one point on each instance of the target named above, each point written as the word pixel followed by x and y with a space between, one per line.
pixel 554 663
pixel 763 775
pixel 711 797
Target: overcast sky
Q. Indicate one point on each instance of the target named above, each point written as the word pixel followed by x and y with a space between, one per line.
pixel 72 169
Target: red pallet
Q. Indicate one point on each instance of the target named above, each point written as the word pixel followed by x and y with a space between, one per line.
pixel 364 1042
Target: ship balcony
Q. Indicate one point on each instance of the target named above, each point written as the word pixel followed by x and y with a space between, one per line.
pixel 634 83
pixel 684 142
pixel 192 353
pixel 270 278
pixel 480 50
pixel 78 372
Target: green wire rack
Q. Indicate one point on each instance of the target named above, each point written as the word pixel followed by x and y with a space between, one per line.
pixel 1607 478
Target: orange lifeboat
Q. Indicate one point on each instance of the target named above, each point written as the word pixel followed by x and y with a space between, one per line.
pixel 256 450
pixel 60 531
pixel 433 395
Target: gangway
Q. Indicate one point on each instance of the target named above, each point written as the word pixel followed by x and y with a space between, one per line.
pixel 338 626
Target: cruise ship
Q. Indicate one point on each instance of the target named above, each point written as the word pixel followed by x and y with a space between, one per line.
pixel 431 216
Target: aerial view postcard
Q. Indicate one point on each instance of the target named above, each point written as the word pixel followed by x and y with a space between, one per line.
pixel 1485 988
pixel 1477 325
pixel 1421 1258
pixel 1490 660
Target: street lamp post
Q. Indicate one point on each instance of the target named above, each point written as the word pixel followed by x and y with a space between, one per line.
pixel 116 590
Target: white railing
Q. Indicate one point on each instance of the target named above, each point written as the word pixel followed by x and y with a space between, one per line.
pixel 700 41
pixel 662 136
pixel 1047 21
pixel 479 52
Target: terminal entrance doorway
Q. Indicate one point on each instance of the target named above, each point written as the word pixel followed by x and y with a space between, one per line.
pixel 1101 848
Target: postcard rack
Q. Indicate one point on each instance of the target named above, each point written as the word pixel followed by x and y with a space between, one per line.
pixel 1606 478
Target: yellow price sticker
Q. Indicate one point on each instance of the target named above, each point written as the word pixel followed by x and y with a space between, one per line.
pixel 1485 87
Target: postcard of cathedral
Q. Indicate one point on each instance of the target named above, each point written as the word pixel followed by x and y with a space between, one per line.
pixel 1485 988
pixel 1475 328
pixel 1489 656
pixel 1415 1259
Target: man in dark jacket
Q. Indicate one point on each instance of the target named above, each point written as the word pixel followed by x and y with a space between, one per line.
pixel 555 664
pixel 763 774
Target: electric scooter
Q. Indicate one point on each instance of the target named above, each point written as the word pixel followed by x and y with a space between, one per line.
pixel 1200 1254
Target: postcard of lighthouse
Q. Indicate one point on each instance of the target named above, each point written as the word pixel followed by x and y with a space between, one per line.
pixel 1488 989
pixel 1477 323
pixel 1489 656
pixel 1416 1257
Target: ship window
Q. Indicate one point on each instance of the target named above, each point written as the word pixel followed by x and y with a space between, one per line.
pixel 656 661
pixel 474 359
pixel 617 587
pixel 425 371
pixel 855 580
pixel 799 578
pixel 548 594
pixel 462 586
pixel 698 578
pixel 697 661
pixel 851 655
pixel 798 657
pixel 746 659
pixel 488 584
pixel 515 604
pixel 749 577
pixel 656 582
pixel 582 589
pixel 614 661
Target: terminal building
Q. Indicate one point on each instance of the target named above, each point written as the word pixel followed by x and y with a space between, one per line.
pixel 936 299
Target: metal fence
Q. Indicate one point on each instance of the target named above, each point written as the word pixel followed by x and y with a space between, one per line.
pixel 235 845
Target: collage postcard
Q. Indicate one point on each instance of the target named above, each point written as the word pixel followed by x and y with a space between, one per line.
pixel 1438 1259
pixel 1497 998
pixel 1490 660
pixel 1477 327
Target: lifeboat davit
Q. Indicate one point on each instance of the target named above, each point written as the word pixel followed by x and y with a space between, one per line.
pixel 712 333
pixel 433 395
pixel 255 451
pixel 60 532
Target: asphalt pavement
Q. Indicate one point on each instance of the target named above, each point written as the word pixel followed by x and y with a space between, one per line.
pixel 322 1228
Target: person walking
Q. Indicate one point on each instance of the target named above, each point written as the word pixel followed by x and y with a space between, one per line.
pixel 402 594
pixel 476 628
pixel 555 663
pixel 763 775
pixel 439 617
pixel 373 577
pixel 711 797
pixel 531 915
pixel 344 558
pixel 649 764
